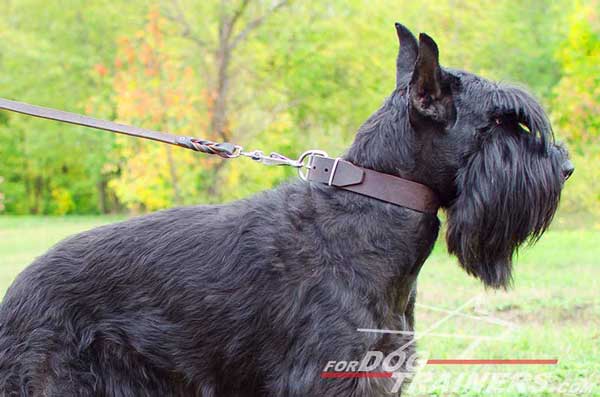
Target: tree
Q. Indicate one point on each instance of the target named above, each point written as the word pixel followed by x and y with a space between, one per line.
pixel 165 86
pixel 576 106
pixel 50 167
pixel 277 75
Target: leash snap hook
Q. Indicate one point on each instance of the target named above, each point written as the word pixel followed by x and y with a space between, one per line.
pixel 272 159
pixel 279 159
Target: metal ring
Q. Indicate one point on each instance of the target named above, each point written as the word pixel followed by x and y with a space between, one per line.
pixel 237 151
pixel 308 154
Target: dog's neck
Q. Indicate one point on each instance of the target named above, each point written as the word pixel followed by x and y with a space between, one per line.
pixel 364 241
pixel 386 142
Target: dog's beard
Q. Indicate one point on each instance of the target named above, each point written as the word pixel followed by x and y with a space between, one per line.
pixel 508 192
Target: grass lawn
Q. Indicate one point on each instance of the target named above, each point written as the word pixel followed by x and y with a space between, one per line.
pixel 552 312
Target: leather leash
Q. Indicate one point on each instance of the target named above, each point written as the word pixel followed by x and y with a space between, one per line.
pixel 225 149
pixel 313 165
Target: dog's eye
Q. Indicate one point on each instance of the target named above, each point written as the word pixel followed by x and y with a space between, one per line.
pixel 496 120
pixel 510 121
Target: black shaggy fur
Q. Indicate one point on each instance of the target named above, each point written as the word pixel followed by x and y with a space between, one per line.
pixel 253 298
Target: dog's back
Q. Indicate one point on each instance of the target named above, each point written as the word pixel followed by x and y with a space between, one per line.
pixel 143 296
pixel 110 301
pixel 192 301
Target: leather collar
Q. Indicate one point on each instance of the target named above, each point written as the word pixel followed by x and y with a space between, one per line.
pixel 385 187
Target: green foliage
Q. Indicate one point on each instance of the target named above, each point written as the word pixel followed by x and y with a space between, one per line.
pixel 283 76
pixel 582 192
pixel 576 106
pixel 47 55
pixel 577 103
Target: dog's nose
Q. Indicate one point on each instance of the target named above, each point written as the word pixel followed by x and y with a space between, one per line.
pixel 567 169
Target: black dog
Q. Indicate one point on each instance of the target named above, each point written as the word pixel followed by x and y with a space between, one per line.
pixel 256 297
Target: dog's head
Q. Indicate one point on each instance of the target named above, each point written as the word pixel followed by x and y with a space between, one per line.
pixel 486 148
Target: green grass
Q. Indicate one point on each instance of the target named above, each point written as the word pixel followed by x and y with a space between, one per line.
pixel 553 310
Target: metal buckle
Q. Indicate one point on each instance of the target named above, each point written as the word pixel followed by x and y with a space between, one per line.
pixel 309 154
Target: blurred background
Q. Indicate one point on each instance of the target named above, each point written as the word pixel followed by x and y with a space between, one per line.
pixel 286 76
pixel 278 75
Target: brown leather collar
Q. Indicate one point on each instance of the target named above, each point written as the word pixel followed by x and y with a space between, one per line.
pixel 392 189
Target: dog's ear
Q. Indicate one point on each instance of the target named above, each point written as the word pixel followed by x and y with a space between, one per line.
pixel 430 96
pixel 407 52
